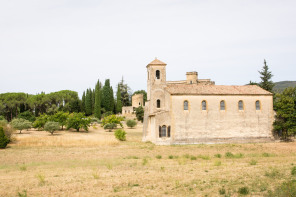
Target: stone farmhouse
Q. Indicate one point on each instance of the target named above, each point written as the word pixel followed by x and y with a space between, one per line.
pixel 198 111
pixel 137 101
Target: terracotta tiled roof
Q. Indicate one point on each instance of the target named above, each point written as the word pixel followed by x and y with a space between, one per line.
pixel 198 89
pixel 157 62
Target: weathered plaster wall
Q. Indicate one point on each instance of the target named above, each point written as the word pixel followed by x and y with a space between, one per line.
pixel 197 125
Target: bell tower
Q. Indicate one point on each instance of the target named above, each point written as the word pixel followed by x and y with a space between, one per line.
pixel 156 71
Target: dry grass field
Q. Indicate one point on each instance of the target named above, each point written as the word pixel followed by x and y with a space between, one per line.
pixel 94 163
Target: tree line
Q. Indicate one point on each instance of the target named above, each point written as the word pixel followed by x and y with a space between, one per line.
pixel 95 101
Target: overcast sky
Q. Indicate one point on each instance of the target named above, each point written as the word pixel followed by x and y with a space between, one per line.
pixel 52 45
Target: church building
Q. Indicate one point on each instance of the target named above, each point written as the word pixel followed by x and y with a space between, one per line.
pixel 196 111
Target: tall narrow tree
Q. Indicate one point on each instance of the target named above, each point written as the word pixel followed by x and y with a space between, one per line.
pixel 97 106
pixel 118 100
pixel 107 97
pixel 83 102
pixel 266 82
pixel 88 102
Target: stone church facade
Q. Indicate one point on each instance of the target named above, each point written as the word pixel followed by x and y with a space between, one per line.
pixel 198 111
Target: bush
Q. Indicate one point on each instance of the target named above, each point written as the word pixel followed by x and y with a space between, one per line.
pixel 3 139
pixel 78 121
pixel 244 190
pixel 2 118
pixel 27 115
pixel 51 127
pixel 158 156
pixel 60 117
pixel 218 155
pixel 120 134
pixel 112 119
pixel 40 121
pixel 253 162
pixel 131 123
pixel 110 126
pixel 8 130
pixel 21 124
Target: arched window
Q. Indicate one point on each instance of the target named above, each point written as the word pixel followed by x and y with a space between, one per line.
pixel 185 105
pixel 222 105
pixel 258 106
pixel 163 131
pixel 204 105
pixel 157 74
pixel 139 104
pixel 169 131
pixel 158 103
pixel 240 105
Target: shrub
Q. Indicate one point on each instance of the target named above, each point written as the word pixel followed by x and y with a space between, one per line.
pixel 2 118
pixel 112 119
pixel 51 127
pixel 217 163
pixel 21 124
pixel 78 121
pixel 253 162
pixel 293 171
pixel 287 188
pixel 120 134
pixel 222 191
pixel 3 139
pixel 60 117
pixel 218 155
pixel 8 130
pixel 110 126
pixel 131 123
pixel 27 115
pixel 243 191
pixel 171 157
pixel 231 155
pixel 40 121
pixel 158 156
pixel 193 157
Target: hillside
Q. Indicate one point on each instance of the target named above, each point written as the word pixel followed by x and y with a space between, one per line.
pixel 281 85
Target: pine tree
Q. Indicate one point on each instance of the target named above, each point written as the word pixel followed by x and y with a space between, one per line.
pixel 107 97
pixel 83 102
pixel 125 95
pixel 266 76
pixel 97 106
pixel 118 100
pixel 88 102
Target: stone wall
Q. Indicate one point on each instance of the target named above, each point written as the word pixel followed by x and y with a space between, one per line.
pixel 213 125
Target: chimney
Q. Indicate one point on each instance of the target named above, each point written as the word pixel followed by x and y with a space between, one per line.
pixel 191 77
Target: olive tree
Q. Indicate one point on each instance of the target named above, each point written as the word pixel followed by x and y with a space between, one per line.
pixel 51 127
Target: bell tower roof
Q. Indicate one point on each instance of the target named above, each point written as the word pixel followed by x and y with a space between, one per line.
pixel 156 62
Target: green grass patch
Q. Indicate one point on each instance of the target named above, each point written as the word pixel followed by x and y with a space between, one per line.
pixel 253 162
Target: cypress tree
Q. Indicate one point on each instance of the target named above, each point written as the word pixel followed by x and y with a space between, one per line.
pixel 88 102
pixel 266 76
pixel 107 97
pixel 97 106
pixel 93 99
pixel 118 100
pixel 83 102
pixel 112 103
